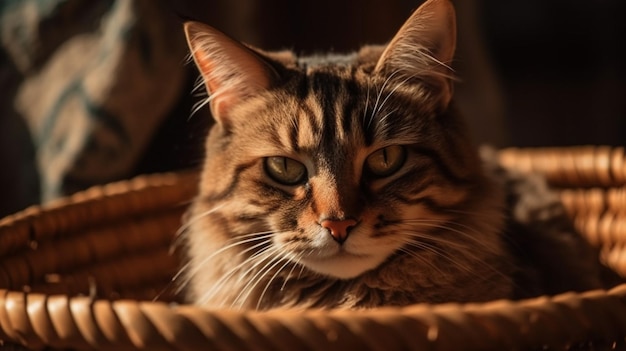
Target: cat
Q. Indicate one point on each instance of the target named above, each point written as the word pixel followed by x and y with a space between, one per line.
pixel 349 181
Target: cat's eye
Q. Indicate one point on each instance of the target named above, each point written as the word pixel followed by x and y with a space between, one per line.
pixel 285 170
pixel 386 161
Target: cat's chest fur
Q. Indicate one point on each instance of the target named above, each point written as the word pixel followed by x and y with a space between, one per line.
pixel 349 181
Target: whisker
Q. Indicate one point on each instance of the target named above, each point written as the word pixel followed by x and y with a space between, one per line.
pixel 199 267
pixel 234 242
pixel 198 106
pixel 391 93
pixel 440 63
pixel 178 237
pixel 437 251
pixel 220 282
pixel 196 218
pixel 295 264
pixel 258 276
pixel 218 285
pixel 301 271
pixel 421 61
pixel 420 258
pixel 266 240
pixel 382 120
pixel 287 261
pixel 421 235
pixel 380 92
pixel 434 223
pixel 467 251
pixel 470 213
pixel 198 85
pixel 437 224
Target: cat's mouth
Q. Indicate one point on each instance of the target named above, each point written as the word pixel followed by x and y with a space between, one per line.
pixel 357 255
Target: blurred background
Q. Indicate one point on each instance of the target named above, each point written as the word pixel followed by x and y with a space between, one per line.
pixel 96 91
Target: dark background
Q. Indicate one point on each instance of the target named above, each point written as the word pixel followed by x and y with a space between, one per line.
pixel 554 69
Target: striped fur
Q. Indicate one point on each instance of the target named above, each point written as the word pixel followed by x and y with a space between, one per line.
pixel 429 232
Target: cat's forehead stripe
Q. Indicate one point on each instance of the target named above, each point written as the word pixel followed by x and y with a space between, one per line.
pixel 352 94
pixel 308 130
pixel 337 95
pixel 334 110
pixel 340 95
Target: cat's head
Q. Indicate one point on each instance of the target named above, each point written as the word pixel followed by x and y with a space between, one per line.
pixel 334 160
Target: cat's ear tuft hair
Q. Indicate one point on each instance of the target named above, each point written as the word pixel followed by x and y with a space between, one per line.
pixel 424 48
pixel 231 71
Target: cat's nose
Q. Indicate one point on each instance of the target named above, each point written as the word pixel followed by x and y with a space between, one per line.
pixel 339 229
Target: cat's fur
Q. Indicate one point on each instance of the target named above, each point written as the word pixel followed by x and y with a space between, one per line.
pixel 443 226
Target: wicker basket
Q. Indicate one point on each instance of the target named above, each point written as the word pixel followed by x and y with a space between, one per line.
pixel 83 273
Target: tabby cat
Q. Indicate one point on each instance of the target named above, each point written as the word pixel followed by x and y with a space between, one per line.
pixel 349 181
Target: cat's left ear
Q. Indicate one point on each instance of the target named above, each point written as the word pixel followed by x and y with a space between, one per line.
pixel 231 71
pixel 423 49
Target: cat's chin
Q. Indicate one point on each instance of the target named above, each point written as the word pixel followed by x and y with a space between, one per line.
pixel 343 265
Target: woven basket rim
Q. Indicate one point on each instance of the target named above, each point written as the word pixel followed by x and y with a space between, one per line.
pixel 500 324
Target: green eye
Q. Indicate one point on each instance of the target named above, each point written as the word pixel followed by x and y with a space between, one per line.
pixel 285 170
pixel 386 161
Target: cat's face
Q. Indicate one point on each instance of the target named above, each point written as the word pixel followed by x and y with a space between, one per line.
pixel 335 175
pixel 335 163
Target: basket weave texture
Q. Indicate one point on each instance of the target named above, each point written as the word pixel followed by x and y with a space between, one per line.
pixel 83 273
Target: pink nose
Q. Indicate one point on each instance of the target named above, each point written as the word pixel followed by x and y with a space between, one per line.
pixel 339 229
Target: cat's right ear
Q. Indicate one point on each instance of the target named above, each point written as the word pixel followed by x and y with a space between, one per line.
pixel 424 48
pixel 231 71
